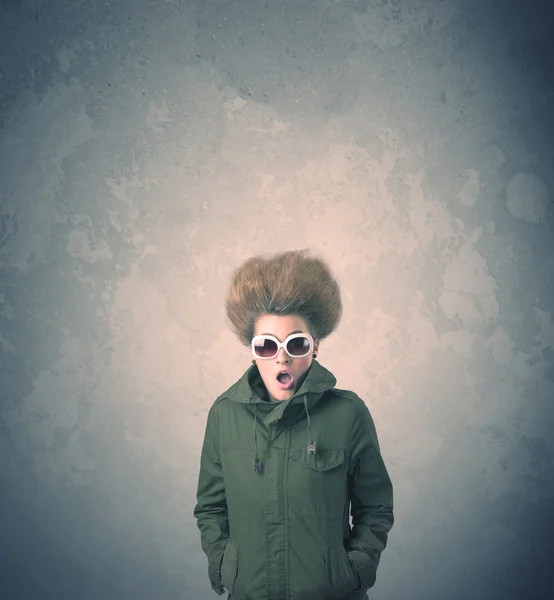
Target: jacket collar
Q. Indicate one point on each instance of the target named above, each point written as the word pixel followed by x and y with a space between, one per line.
pixel 250 389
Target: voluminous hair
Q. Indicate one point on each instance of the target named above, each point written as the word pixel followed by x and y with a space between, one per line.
pixel 287 283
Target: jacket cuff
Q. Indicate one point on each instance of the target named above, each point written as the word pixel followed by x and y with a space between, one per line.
pixel 214 569
pixel 365 568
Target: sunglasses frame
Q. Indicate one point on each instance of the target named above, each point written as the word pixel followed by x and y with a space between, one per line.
pixel 281 345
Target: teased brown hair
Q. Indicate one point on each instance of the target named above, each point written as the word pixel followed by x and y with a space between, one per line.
pixel 287 283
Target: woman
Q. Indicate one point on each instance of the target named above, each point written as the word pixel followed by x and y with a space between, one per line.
pixel 286 454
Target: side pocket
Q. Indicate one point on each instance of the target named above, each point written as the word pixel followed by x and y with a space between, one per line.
pixel 340 574
pixel 229 565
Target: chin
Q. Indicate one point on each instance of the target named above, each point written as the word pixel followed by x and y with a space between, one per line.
pixel 291 391
pixel 280 392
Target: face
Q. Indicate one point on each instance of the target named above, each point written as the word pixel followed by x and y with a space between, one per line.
pixel 281 327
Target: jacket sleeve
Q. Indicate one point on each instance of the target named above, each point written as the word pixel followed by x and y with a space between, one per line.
pixel 371 497
pixel 211 508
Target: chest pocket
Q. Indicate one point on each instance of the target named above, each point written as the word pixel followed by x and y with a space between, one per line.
pixel 319 483
pixel 322 460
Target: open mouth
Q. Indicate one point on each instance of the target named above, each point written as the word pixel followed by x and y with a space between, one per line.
pixel 285 381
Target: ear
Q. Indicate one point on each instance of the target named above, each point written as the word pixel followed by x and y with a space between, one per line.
pixel 316 345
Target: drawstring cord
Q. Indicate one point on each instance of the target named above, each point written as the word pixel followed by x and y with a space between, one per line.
pixel 257 462
pixel 311 443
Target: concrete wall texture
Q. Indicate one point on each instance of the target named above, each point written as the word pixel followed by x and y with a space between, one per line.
pixel 147 148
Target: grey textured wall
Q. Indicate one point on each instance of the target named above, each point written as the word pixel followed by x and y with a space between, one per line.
pixel 146 148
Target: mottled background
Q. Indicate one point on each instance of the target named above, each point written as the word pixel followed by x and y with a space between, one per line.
pixel 147 148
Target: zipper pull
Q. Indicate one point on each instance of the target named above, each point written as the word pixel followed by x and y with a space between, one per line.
pixel 311 448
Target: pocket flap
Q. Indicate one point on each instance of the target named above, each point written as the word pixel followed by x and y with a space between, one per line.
pixel 322 460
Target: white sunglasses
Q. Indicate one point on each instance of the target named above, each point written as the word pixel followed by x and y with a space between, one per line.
pixel 296 345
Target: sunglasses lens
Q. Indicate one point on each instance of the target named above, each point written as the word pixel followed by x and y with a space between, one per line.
pixel 299 346
pixel 265 348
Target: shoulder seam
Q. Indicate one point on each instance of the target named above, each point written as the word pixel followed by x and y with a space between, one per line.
pixel 347 394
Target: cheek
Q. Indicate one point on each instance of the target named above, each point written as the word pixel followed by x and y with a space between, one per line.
pixel 266 376
pixel 301 368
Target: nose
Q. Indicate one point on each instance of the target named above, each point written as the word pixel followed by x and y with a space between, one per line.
pixel 282 355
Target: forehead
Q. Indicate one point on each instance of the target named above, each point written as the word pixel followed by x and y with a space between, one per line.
pixel 280 326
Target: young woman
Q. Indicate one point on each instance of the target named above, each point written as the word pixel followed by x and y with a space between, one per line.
pixel 286 455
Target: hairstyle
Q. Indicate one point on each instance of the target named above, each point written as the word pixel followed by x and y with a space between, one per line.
pixel 287 283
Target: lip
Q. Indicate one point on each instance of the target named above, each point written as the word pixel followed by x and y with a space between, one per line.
pixel 285 386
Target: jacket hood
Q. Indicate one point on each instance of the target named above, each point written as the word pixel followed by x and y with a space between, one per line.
pixel 250 389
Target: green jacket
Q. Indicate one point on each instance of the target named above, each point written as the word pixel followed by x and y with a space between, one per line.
pixel 274 517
